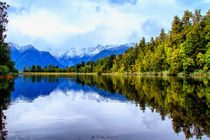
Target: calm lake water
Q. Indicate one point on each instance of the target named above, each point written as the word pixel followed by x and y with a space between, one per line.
pixel 104 107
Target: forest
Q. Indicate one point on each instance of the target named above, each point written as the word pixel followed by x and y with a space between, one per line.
pixel 185 48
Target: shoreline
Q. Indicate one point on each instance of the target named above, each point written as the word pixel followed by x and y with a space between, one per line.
pixel 7 77
pixel 56 73
pixel 147 74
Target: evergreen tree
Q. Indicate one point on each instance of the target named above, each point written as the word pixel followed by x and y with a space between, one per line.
pixel 28 69
pixel 33 68
pixel 24 68
pixel 83 63
pixel 162 35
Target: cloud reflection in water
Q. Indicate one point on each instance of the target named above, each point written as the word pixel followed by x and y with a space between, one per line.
pixel 83 115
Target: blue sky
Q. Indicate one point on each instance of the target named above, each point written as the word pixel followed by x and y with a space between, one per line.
pixel 58 25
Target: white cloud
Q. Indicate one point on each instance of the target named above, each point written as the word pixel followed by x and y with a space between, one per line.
pixel 43 24
pixel 46 25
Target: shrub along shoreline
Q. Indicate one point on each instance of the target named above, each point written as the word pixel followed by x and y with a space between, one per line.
pixel 5 73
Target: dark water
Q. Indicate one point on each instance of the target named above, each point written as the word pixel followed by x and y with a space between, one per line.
pixel 104 108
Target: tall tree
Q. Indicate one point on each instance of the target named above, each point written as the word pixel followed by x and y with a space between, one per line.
pixel 24 68
pixel 33 68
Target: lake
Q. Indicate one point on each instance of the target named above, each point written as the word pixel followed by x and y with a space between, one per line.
pixel 85 107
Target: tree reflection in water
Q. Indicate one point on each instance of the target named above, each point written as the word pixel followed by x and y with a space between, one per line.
pixel 6 86
pixel 185 101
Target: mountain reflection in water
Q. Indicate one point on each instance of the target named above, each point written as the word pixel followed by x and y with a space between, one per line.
pixel 104 107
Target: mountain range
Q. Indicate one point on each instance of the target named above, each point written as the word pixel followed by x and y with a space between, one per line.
pixel 28 55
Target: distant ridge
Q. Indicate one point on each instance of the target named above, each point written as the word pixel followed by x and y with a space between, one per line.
pixel 94 53
pixel 28 55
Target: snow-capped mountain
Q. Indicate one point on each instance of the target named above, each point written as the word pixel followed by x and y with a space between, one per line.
pixel 28 55
pixel 115 50
pixel 14 46
pixel 75 56
pixel 81 52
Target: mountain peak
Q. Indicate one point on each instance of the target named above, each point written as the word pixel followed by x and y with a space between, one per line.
pixel 14 46
pixel 27 47
pixel 28 55
pixel 22 54
pixel 81 52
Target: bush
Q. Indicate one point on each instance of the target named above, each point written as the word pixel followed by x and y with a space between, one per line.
pixel 4 70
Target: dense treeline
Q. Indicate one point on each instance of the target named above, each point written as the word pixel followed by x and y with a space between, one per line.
pixel 50 68
pixel 6 64
pixel 186 48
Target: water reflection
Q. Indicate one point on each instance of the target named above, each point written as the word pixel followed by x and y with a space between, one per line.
pixel 185 101
pixel 101 107
pixel 6 86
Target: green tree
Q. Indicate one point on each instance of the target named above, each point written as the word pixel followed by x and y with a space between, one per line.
pixel 188 65
pixel 83 63
pixel 33 68
pixel 4 70
pixel 207 60
pixel 28 69
pixel 200 60
pixel 152 44
pixel 162 35
pixel 24 68
pixel 38 68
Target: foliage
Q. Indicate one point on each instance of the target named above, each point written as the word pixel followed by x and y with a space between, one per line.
pixel 4 70
pixel 6 87
pixel 5 58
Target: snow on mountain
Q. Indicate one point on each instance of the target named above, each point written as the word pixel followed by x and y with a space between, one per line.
pixel 73 52
pixel 29 55
pixel 75 56
pixel 55 54
pixel 115 50
pixel 14 46
pixel 26 47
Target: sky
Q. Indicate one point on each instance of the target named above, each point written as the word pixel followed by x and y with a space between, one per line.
pixel 59 25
